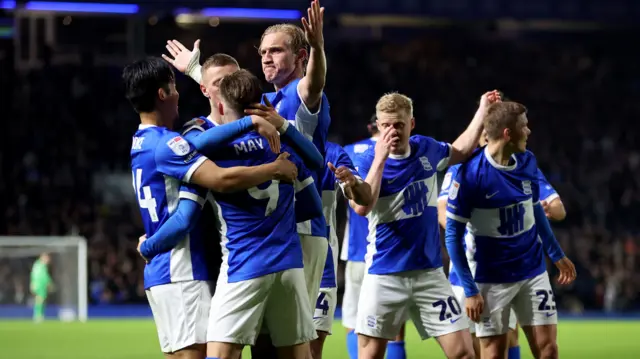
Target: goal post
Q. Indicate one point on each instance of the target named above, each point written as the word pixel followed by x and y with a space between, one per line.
pixel 67 297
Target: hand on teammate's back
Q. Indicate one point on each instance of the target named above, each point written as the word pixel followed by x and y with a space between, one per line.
pixel 268 131
pixel 286 170
pixel 140 241
pixel 183 58
pixel 386 141
pixel 474 307
pixel 343 175
pixel 313 25
pixel 567 271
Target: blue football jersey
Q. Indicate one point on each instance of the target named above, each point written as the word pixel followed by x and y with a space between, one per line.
pixel 497 203
pixel 547 192
pixel 329 185
pixel 404 233
pixel 354 243
pixel 314 126
pixel 257 226
pixel 160 161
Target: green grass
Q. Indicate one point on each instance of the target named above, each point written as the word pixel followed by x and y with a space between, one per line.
pixel 136 339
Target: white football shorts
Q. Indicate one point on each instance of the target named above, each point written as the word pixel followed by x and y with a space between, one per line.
pixel 458 291
pixel 327 299
pixel 424 296
pixel 314 256
pixel 181 313
pixel 532 301
pixel 353 276
pixel 278 300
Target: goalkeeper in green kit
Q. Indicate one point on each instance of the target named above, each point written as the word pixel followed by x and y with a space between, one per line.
pixel 41 284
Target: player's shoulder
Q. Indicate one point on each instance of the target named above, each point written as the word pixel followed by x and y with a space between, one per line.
pixel 472 167
pixel 527 161
pixel 422 143
pixel 198 123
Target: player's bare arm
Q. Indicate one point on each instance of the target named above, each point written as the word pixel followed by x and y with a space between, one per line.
pixel 554 210
pixel 185 60
pixel 312 84
pixel 388 137
pixel 231 179
pixel 354 189
pixel 442 213
pixel 467 142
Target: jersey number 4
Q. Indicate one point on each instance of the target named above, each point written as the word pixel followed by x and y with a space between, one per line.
pixel 145 199
pixel 272 193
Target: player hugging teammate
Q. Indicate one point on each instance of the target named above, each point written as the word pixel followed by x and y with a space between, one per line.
pixel 273 193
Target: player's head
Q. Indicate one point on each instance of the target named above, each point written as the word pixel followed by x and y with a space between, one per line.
pixel 506 122
pixel 396 110
pixel 45 258
pixel 372 127
pixel 283 49
pixel 150 86
pixel 214 69
pixel 237 92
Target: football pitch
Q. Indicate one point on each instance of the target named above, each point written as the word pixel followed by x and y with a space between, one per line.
pixel 136 339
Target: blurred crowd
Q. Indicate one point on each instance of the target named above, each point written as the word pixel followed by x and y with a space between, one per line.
pixel 70 126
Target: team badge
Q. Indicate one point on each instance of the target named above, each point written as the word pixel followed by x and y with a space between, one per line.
pixel 426 164
pixel 526 187
pixel 179 146
pixel 453 190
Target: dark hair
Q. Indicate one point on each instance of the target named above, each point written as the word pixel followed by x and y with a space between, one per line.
pixel 219 59
pixel 143 78
pixel 240 89
pixel 372 126
pixel 501 115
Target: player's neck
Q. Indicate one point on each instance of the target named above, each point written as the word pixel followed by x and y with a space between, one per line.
pixel 154 119
pixel 500 153
pixel 230 117
pixel 296 74
pixel 215 116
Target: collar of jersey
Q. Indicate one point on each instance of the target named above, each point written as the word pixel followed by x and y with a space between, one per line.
pixel 402 156
pixel 142 127
pixel 499 166
pixel 212 120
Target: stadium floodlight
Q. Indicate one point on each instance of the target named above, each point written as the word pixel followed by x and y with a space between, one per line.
pixel 67 296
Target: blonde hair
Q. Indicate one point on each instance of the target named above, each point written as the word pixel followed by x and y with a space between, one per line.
pixel 297 39
pixel 395 102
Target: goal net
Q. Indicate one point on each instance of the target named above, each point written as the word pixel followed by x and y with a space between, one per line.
pixel 66 296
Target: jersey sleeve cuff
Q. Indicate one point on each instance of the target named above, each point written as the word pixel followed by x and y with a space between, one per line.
pixel 193 168
pixel 444 163
pixel 194 127
pixel 300 185
pixel 193 197
pixel 457 218
pixel 551 197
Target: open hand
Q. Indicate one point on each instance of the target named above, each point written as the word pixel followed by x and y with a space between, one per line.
pixel 567 271
pixel 388 138
pixel 313 25
pixel 183 58
pixel 266 111
pixel 268 131
pixel 474 307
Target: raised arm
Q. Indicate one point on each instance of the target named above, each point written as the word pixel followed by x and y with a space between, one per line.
pixel 464 145
pixel 207 141
pixel 312 84
pixel 185 60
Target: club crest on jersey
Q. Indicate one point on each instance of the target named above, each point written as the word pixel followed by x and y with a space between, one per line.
pixel 179 146
pixel 453 190
pixel 426 164
pixel 526 187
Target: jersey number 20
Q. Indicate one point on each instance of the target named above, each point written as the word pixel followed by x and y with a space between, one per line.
pixel 272 193
pixel 145 199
